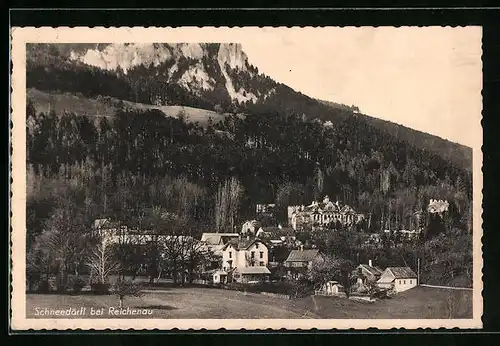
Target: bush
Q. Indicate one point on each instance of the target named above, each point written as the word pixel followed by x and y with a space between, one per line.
pixel 127 288
pixel 124 288
pixel 43 286
pixel 302 288
pixel 100 287
pixel 77 284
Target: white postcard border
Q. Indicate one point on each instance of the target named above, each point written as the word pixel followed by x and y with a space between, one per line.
pixel 21 36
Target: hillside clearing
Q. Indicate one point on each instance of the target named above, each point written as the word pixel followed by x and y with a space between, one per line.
pixel 107 106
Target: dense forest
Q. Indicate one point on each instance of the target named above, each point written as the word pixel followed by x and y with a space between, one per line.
pixel 268 152
pixel 261 150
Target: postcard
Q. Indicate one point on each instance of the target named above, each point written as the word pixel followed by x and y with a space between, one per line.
pixel 256 178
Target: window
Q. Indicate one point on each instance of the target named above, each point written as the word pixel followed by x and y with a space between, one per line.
pixel 257 245
pixel 253 254
pixel 261 264
pixel 404 282
pixel 411 282
pixel 253 264
pixel 230 254
pixel 262 254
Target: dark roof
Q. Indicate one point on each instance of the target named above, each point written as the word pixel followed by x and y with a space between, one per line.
pixel 402 272
pixel 218 238
pixel 241 244
pixel 302 255
pixel 277 231
pixel 373 270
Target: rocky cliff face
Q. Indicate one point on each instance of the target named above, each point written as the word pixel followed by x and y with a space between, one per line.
pixel 191 64
pixel 233 55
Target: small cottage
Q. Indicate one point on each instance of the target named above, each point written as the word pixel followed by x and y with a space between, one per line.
pixel 299 261
pixel 367 273
pixel 219 277
pixel 398 278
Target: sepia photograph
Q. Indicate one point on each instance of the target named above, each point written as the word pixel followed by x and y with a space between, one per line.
pixel 286 177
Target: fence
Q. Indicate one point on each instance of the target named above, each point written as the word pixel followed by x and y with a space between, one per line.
pixel 284 296
pixel 447 287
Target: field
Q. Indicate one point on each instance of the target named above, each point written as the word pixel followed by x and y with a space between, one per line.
pixel 216 303
pixel 106 107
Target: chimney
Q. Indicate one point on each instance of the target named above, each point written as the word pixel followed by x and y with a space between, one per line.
pixel 301 247
pixel 370 263
pixel 279 226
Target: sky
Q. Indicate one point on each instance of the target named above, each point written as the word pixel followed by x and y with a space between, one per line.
pixel 429 79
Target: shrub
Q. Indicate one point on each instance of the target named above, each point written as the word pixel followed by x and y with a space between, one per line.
pixel 124 288
pixel 302 288
pixel 43 286
pixel 77 284
pixel 100 287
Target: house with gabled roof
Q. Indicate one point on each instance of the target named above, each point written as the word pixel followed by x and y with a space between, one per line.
pixel 300 261
pixel 366 274
pixel 246 260
pixel 398 278
pixel 216 241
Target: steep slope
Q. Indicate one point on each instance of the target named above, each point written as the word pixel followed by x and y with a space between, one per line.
pixel 459 154
pixel 211 76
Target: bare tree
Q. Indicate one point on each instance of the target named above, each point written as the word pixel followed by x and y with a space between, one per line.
pixel 101 260
pixel 175 256
pixel 227 202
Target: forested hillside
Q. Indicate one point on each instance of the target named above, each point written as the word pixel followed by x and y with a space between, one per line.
pixel 280 151
pixel 50 68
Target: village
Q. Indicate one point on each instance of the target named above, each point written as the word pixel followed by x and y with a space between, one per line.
pixel 231 196
pixel 273 255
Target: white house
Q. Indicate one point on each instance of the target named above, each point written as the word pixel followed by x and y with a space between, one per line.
pixel 246 259
pixel 398 278
pixel 250 227
pixel 219 276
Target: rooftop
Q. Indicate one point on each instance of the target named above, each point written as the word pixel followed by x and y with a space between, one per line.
pixel 242 244
pixel 254 270
pixel 218 238
pixel 373 270
pixel 399 273
pixel 302 255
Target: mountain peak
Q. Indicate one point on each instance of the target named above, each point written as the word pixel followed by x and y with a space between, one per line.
pixel 233 55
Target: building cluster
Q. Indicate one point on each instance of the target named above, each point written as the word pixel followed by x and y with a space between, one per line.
pixel 367 276
pixel 322 214
pixel 255 252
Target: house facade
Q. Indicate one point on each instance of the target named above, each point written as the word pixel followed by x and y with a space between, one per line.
pixel 320 214
pixel 398 278
pixel 246 260
pixel 300 261
pixel 249 227
pixel 365 275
